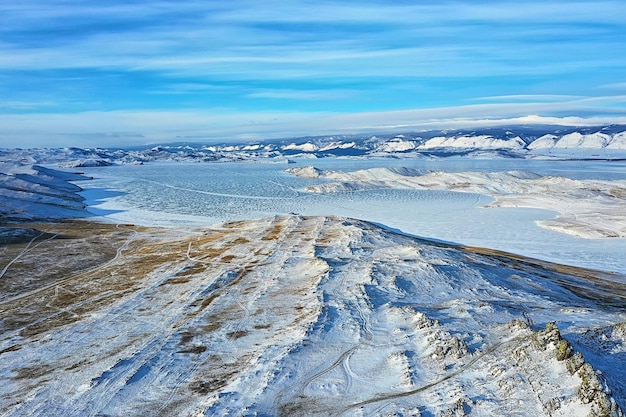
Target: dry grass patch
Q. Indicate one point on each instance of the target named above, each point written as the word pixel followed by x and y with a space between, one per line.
pixel 618 193
pixel 52 260
pixel 241 241
pixel 94 265
pixel 274 233
pixel 237 334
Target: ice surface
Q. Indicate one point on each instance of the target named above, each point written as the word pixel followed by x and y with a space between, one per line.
pixel 201 194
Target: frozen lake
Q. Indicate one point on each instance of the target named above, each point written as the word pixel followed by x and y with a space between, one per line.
pixel 200 194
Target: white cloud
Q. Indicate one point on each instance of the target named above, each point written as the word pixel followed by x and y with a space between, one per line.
pixel 102 128
pixel 390 39
pixel 244 51
pixel 614 86
pixel 528 98
pixel 26 105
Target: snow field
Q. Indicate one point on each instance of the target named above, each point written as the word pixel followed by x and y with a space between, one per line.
pixel 297 315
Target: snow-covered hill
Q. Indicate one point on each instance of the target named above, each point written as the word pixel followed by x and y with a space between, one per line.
pixel 306 316
pixel 300 316
pixel 30 192
pixel 576 141
pixel 396 144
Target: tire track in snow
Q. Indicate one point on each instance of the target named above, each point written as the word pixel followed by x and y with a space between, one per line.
pixel 467 366
pixel 154 353
pixel 351 302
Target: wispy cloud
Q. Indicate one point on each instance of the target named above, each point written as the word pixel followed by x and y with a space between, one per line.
pixel 144 127
pixel 191 36
pixel 528 98
pixel 621 86
pixel 250 57
pixel 26 105
pixel 334 94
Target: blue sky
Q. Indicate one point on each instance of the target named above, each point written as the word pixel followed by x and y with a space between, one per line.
pixel 111 73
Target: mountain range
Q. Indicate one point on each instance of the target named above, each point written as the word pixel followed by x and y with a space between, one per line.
pixel 531 141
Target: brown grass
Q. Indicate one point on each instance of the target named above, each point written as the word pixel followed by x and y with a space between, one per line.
pixel 238 334
pixel 275 232
pixel 618 193
pixel 59 281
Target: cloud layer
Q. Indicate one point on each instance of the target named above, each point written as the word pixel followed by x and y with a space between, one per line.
pixel 240 60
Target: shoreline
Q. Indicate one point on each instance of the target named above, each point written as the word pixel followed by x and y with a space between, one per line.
pixel 499 228
pixel 100 207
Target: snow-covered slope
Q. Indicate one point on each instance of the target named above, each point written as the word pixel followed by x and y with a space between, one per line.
pixel 36 193
pixel 577 140
pixel 305 147
pixel 396 144
pixel 581 144
pixel 473 142
pixel 618 141
pixel 544 142
pixel 337 145
pixel 300 316
pixel 587 208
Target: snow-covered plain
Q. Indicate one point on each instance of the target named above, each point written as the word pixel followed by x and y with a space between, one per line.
pixel 290 315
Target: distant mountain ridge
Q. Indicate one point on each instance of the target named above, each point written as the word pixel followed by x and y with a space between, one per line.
pixel 521 141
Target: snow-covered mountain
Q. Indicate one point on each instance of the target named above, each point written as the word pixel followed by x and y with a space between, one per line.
pixel 473 142
pixel 577 140
pixel 600 142
pixel 397 144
